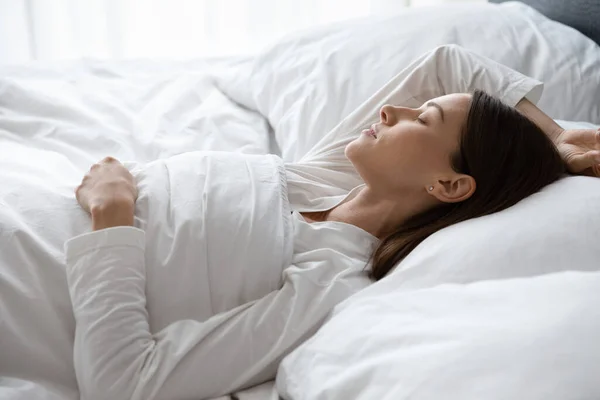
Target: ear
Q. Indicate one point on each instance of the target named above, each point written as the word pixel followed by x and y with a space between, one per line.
pixel 454 189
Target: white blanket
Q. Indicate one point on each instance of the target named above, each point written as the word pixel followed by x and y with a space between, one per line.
pixel 54 123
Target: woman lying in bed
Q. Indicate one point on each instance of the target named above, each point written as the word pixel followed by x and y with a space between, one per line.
pixel 367 194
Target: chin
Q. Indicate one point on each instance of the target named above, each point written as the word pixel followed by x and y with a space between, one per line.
pixel 357 153
pixel 352 151
pixel 356 156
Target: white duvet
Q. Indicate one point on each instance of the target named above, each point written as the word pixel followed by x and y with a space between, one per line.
pixel 52 129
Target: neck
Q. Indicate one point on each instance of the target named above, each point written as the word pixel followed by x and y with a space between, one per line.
pixel 380 215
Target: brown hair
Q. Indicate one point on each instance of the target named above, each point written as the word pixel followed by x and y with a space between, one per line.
pixel 509 157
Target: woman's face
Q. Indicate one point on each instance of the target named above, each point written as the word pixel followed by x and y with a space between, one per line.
pixel 411 148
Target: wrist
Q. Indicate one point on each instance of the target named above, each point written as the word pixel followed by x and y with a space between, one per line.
pixel 544 122
pixel 112 215
pixel 556 134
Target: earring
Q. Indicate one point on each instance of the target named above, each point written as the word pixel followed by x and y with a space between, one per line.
pixel 430 188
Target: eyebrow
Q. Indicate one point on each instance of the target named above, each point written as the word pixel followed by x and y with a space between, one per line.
pixel 436 105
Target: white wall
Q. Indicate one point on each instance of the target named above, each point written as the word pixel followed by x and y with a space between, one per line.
pixel 67 29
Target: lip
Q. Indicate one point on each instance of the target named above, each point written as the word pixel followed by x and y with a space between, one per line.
pixel 370 132
pixel 374 129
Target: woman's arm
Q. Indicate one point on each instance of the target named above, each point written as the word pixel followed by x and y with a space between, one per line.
pixel 117 357
pixel 444 70
pixel 580 148
pixel 112 215
pixel 547 124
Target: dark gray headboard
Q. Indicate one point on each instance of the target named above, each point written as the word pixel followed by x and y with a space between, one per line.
pixel 583 15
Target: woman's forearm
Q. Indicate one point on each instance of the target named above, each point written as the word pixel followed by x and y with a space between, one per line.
pixel 547 124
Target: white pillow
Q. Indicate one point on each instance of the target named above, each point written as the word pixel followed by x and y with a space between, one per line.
pixel 551 231
pixel 576 124
pixel 532 338
pixel 308 82
pixel 554 230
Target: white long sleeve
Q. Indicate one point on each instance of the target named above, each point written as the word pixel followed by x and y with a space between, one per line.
pixel 444 70
pixel 117 357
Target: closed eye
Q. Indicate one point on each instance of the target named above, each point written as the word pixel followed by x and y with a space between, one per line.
pixel 421 121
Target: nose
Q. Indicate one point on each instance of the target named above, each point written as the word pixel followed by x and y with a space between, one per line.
pixel 389 114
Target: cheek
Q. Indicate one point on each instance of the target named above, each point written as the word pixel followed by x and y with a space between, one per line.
pixel 407 150
pixel 396 161
pixel 414 156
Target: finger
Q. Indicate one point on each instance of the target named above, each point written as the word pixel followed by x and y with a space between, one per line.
pixel 77 193
pixel 584 161
pixel 592 171
pixel 109 160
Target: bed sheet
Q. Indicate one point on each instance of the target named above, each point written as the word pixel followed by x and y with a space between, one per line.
pixel 55 121
pixel 265 391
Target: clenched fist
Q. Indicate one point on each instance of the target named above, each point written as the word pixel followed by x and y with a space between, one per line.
pixel 108 192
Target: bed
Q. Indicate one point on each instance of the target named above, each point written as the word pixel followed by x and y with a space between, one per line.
pixel 56 119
